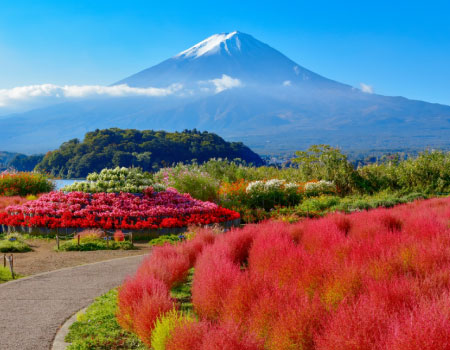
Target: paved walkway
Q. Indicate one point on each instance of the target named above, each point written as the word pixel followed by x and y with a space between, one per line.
pixel 32 309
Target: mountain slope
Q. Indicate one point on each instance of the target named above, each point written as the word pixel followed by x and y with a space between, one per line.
pixel 240 88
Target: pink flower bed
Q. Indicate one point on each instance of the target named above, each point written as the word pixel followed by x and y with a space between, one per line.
pixel 120 211
pixel 371 280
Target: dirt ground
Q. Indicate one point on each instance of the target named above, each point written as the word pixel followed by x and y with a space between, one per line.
pixel 44 258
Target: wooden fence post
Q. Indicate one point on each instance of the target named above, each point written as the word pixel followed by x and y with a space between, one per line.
pixel 11 266
pixel 131 237
pixel 78 240
pixel 4 260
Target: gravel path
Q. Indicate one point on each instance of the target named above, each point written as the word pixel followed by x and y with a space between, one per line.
pixel 32 309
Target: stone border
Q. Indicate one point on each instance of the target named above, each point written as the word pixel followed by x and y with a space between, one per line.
pixel 59 342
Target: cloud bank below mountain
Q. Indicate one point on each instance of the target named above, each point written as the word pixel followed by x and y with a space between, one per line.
pixel 33 96
pixel 37 94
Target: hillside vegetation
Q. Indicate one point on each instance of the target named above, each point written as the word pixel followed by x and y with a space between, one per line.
pixel 147 149
pixel 5 158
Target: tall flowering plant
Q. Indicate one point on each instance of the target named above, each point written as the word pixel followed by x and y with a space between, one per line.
pixel 189 179
pixel 23 183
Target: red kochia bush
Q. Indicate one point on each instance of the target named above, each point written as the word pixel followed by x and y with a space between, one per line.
pixel 229 337
pixel 218 269
pixel 426 327
pixel 340 282
pixel 359 326
pixel 207 336
pixel 167 264
pixel 373 280
pixel 150 308
pixel 188 336
pixel 194 247
pixel 215 275
pixel 136 292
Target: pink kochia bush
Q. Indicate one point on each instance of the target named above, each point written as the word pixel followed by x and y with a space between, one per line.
pixel 372 280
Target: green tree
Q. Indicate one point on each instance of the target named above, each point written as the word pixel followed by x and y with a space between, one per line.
pixel 323 162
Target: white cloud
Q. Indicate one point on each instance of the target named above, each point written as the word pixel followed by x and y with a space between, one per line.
pixel 36 93
pixel 366 88
pixel 225 83
pixel 296 70
pixel 287 83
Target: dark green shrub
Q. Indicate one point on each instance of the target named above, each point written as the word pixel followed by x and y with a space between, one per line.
pixel 161 240
pixel 95 244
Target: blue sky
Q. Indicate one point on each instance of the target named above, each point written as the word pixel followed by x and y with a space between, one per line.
pixel 397 47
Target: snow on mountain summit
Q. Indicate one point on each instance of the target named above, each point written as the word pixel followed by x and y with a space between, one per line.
pixel 212 45
pixel 236 55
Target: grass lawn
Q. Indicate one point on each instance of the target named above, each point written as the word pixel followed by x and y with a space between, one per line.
pixel 98 329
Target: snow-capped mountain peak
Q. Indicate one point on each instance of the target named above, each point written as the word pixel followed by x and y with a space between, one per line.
pixel 213 44
pixel 234 54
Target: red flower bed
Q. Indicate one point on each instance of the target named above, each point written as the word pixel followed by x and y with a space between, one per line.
pixel 370 280
pixel 166 209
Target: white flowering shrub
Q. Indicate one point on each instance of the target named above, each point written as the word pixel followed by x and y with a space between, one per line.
pixel 274 185
pixel 256 187
pixel 270 193
pixel 131 180
pixel 319 187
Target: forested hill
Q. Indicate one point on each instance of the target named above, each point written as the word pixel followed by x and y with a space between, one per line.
pixel 5 158
pixel 147 149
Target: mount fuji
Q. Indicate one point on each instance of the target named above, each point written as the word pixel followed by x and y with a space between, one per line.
pixel 242 89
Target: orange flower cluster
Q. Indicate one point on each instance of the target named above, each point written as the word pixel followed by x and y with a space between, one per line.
pixel 233 189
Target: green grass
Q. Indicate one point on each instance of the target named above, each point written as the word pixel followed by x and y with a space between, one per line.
pixel 5 274
pixel 95 244
pixel 13 243
pixel 182 293
pixel 98 329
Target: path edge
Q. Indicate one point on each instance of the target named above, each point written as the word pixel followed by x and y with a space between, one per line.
pixel 59 342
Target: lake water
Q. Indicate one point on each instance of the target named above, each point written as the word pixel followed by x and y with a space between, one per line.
pixel 61 183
